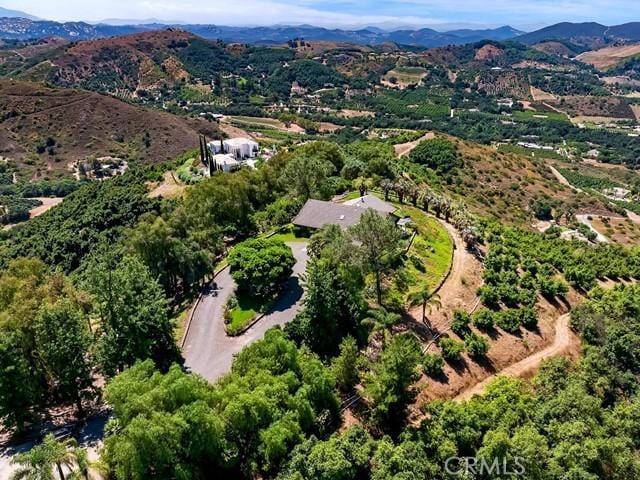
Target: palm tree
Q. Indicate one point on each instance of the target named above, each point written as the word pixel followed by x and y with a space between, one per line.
pixel 400 188
pixel 363 185
pixel 381 320
pixel 427 198
pixel 39 462
pixel 414 194
pixel 387 186
pixel 427 300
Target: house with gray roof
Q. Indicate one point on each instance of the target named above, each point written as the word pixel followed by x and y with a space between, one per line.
pixel 317 214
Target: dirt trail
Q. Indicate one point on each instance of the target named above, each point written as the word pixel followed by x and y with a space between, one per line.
pixel 561 178
pixel 404 149
pixel 458 290
pixel 561 344
pixel 463 261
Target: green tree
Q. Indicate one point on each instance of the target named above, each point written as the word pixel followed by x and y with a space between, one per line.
pixel 307 177
pixel 380 320
pixel 426 299
pixel 388 383
pixel 438 154
pixel 260 266
pixel 132 310
pixel 476 345
pixel 451 349
pixel 21 388
pixel 363 185
pixel 381 245
pixel 345 365
pixel 63 342
pixel 173 260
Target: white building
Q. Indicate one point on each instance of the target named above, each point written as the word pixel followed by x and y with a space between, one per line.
pixel 238 148
pixel 226 162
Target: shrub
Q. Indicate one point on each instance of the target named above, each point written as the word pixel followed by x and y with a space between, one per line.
pixel 451 349
pixel 528 318
pixel 438 154
pixel 433 365
pixel 509 320
pixel 260 266
pixel 476 345
pixel 484 319
pixel 461 321
pixel 489 296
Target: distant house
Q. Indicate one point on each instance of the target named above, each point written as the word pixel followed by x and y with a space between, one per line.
pixel 317 214
pixel 239 148
pixel 227 163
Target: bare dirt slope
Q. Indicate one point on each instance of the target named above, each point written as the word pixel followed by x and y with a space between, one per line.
pixel 404 149
pixel 608 57
pixel 564 342
pixel 45 129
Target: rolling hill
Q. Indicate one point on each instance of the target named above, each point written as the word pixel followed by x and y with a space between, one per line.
pixel 23 29
pixel 8 13
pixel 589 34
pixel 44 129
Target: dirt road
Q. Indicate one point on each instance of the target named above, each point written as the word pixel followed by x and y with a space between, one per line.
pixel 527 366
pixel 403 149
pixel 458 290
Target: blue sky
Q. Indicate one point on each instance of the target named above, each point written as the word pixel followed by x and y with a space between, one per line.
pixel 346 13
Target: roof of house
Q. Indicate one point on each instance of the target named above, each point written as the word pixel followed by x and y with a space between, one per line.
pixel 239 141
pixel 317 214
pixel 371 201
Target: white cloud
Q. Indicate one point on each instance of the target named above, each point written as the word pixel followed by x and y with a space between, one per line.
pixel 336 12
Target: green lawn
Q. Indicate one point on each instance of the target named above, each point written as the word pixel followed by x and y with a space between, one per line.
pixel 429 258
pixel 351 196
pixel 290 235
pixel 517 149
pixel 243 314
pixel 531 115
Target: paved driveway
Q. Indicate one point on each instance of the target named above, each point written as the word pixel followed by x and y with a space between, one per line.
pixel 208 350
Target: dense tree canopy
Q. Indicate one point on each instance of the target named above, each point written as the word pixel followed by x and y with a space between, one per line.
pixel 178 426
pixel 260 266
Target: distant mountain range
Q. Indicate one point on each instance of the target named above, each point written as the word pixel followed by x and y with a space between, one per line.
pixel 5 12
pixel 590 35
pixel 24 29
pixel 584 35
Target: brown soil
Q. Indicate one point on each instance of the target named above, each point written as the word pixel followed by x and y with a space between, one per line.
pixel 85 124
pixel 620 230
pixel 504 185
pixel 488 51
pixel 512 355
pixel 541 96
pixel 564 342
pixel 170 187
pixel 590 106
pixel 609 56
pixel 47 204
pixel 509 354
pixel 404 149
pixel 554 48
pixel 356 113
pixel 138 52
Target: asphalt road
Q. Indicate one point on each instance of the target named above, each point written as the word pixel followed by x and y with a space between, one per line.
pixel 208 350
pixel 89 436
